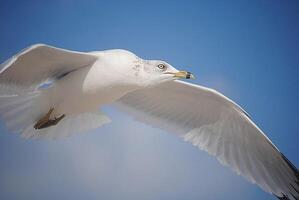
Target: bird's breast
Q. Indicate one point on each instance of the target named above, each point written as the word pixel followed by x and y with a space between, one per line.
pixel 87 89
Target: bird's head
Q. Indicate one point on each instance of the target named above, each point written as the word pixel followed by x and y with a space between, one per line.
pixel 129 69
pixel 157 71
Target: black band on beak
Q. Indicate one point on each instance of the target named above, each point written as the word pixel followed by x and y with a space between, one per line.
pixel 188 76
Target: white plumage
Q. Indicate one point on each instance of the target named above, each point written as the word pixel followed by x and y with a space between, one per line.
pixel 79 83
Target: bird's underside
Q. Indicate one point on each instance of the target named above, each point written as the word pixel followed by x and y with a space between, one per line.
pixel 199 115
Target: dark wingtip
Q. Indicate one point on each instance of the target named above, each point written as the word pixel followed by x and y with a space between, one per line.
pixel 188 76
pixel 296 182
pixel 282 198
pixel 293 168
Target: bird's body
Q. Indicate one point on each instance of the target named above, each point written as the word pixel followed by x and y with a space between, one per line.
pixel 86 90
pixel 47 92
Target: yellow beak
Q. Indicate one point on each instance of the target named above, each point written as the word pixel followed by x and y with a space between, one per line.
pixel 182 74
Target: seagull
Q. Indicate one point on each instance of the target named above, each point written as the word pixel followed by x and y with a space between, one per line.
pixel 49 92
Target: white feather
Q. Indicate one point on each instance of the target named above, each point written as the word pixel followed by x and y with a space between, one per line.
pixel 37 63
pixel 218 126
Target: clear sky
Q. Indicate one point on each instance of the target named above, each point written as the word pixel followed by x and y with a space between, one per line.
pixel 248 50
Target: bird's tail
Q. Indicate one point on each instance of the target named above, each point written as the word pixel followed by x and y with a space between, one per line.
pixel 21 112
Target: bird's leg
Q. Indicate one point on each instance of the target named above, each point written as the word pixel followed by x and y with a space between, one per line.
pixel 56 120
pixel 45 121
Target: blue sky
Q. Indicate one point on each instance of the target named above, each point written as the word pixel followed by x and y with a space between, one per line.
pixel 247 50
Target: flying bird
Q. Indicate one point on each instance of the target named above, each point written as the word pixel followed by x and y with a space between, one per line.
pixel 49 92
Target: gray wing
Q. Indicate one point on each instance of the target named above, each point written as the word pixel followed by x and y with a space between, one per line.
pixel 218 126
pixel 38 63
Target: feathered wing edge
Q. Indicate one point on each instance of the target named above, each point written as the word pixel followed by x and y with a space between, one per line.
pixel 148 106
pixel 32 66
pixel 296 173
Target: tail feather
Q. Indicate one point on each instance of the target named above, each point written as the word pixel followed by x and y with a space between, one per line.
pixel 21 112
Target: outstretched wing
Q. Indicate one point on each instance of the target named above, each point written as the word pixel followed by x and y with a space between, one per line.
pixel 38 63
pixel 217 125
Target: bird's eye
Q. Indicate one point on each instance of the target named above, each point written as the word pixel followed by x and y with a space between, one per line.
pixel 161 66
